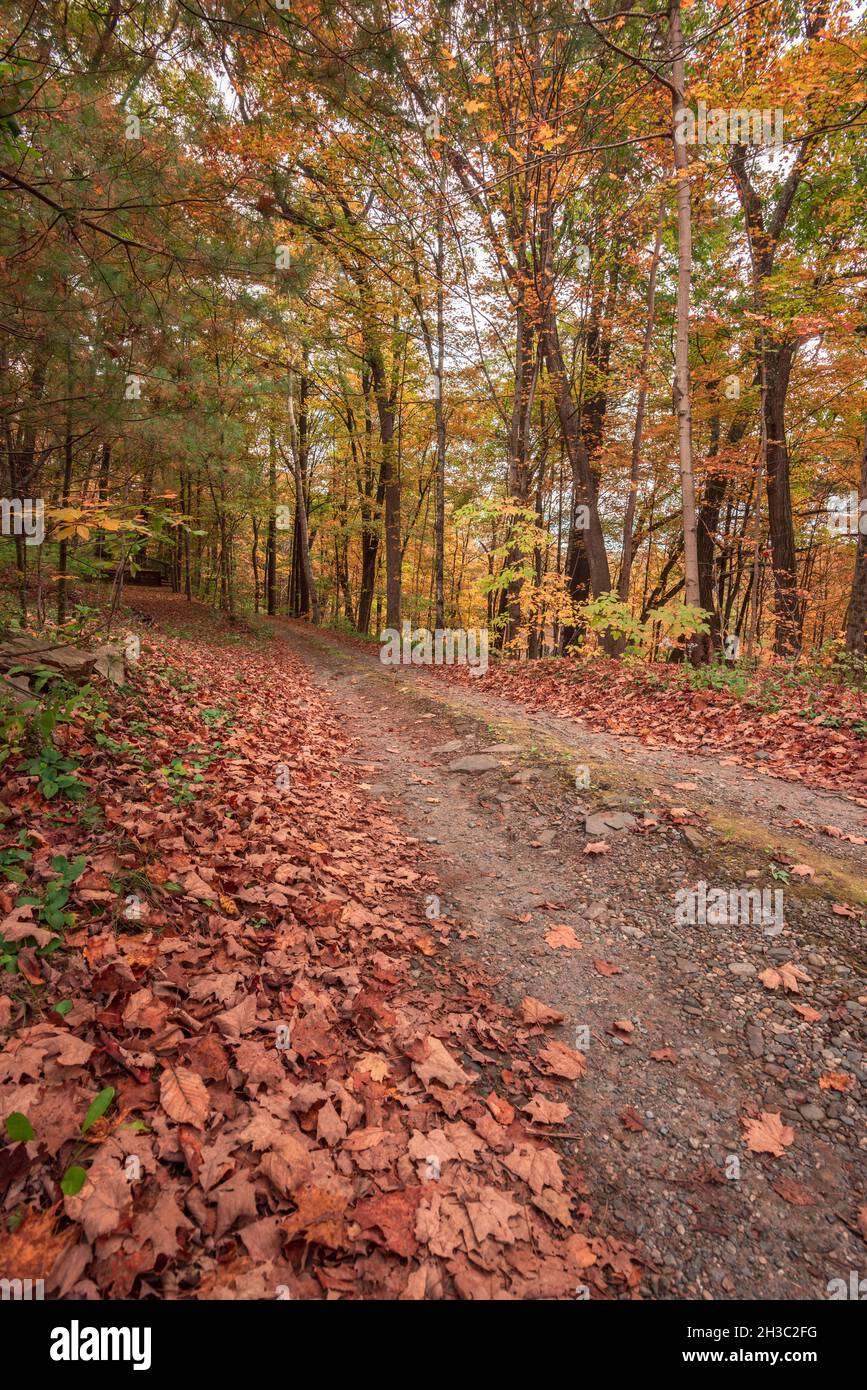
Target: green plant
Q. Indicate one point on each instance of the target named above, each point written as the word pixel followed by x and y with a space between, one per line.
pixel 56 894
pixel 12 859
pixel 607 613
pixel 182 779
pixel 56 773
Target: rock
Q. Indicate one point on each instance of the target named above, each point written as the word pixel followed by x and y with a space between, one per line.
pixel 504 748
pixel 527 774
pixel 111 662
pixel 755 1039
pixel 742 967
pixel 604 821
pixel 692 837
pixel 688 967
pixel 454 747
pixel 812 1112
pixel 474 762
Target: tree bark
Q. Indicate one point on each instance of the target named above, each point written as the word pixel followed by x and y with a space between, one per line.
pixel 692 591
pixel 301 509
pixel 627 552
pixel 856 618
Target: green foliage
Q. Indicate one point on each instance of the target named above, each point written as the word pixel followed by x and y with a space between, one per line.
pixel 56 773
pixel 98 1107
pixel 607 614
pixel 73 1180
pixel 13 858
pixel 18 1128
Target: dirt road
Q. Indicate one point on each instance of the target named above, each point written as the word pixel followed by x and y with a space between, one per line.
pixel 685 1037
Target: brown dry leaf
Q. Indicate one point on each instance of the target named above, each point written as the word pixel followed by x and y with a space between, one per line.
pixel 843 910
pixel 664 1054
pixel 373 1064
pixel 534 1011
pixel 794 1193
pixel 561 1060
pixel 557 1205
pixel 836 1081
pixel 802 871
pixel 562 935
pixel 502 1111
pixel 197 887
pixel 393 1214
pixel 184 1096
pixel 786 975
pixel 319 1219
pixel 605 967
pixel 540 1168
pixel 104 1200
pixel 811 1015
pixel 631 1120
pixel 440 1065
pixel 31 1251
pixel 768 1134
pixel 546 1112
pixel 579 1253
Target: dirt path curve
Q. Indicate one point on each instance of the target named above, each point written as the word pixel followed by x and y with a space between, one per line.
pixel 684 1040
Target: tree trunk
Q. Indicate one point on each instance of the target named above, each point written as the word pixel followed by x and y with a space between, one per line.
pixel 439 409
pixel 684 277
pixel 856 618
pixel 271 540
pixel 787 602
pixel 583 484
pixel 627 553
pixel 301 510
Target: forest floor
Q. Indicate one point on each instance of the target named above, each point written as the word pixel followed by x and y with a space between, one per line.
pixel 506 1069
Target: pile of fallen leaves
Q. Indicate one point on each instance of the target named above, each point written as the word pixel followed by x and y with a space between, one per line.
pixel 241 1062
pixel 814 732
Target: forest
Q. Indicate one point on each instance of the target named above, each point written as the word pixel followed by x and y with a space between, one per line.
pixel 450 316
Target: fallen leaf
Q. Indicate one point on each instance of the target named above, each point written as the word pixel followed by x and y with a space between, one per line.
pixel 836 1081
pixel 562 936
pixel 534 1011
pixel 631 1120
pixel 184 1096
pixel 605 968
pixel 768 1134
pixel 794 1193
pixel 811 1015
pixel 786 975
pixel 561 1060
